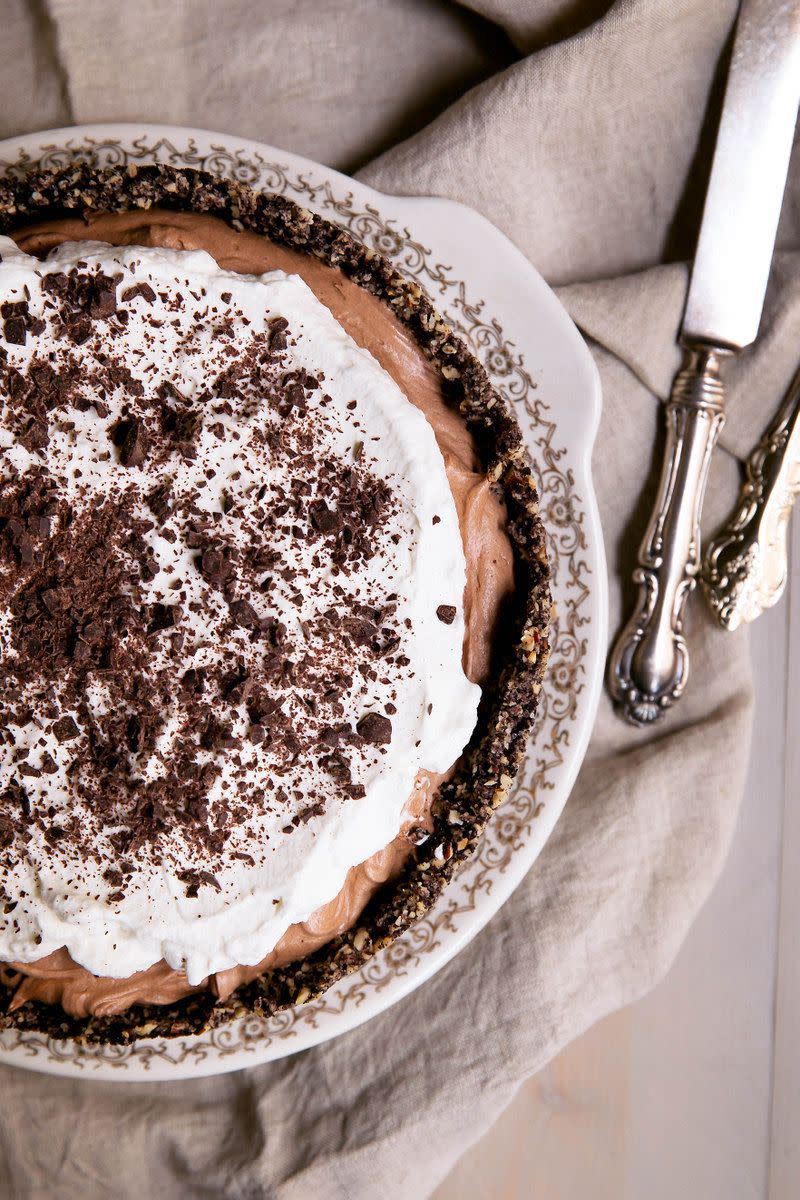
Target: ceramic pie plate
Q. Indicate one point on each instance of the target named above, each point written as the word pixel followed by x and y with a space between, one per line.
pixel 537 360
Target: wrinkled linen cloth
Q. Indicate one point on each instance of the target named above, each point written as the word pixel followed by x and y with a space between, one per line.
pixel 584 131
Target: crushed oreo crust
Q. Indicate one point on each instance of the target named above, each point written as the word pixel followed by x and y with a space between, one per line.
pixel 485 771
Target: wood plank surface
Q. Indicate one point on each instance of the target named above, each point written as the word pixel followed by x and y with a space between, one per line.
pixel 785 1125
pixel 693 1092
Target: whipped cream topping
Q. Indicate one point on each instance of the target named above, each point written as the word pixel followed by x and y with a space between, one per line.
pixel 286 574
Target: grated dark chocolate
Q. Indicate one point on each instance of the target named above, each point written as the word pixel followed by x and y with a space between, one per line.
pixel 75 578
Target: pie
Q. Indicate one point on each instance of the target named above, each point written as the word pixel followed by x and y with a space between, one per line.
pixel 274 602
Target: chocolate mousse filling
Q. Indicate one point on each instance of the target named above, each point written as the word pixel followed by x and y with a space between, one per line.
pixel 506 573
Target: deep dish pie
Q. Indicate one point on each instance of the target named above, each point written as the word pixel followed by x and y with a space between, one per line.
pixel 273 602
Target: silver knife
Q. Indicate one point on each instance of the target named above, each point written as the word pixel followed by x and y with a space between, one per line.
pixel 649 664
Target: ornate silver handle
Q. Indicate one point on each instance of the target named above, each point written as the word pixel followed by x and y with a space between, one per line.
pixel 747 563
pixel 649 664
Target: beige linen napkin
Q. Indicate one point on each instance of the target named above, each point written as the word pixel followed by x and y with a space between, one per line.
pixel 578 137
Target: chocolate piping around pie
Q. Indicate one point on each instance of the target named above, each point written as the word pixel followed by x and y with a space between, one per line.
pixel 485 771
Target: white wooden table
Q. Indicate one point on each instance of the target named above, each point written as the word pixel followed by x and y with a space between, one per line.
pixel 694 1092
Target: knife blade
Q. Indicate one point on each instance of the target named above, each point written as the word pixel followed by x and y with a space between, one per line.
pixel 649 663
pixel 748 176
